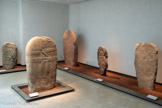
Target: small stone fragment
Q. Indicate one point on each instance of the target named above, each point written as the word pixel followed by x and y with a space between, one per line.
pixel 9 55
pixel 70 45
pixel 102 60
pixel 146 64
pixel 41 62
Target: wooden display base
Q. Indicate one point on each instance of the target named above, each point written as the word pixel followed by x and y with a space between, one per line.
pixel 18 68
pixel 22 90
pixel 118 81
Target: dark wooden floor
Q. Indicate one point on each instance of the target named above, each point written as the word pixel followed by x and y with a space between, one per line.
pixel 115 78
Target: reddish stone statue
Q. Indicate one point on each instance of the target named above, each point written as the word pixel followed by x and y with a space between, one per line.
pixel 102 60
pixel 146 64
pixel 41 63
pixel 70 45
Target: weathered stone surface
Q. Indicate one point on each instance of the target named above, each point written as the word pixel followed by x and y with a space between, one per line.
pixel 102 60
pixel 41 62
pixel 70 45
pixel 146 64
pixel 9 55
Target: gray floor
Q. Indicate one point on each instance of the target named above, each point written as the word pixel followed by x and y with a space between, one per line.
pixel 87 94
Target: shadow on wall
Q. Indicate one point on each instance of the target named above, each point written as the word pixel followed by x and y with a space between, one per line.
pixel 81 49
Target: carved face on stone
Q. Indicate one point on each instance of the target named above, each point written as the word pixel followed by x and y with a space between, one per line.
pixel 146 64
pixel 41 61
pixel 9 55
pixel 70 45
pixel 102 60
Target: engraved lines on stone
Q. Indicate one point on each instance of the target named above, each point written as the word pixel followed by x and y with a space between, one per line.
pixel 44 55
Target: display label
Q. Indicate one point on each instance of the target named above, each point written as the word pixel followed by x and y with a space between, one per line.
pixel 152 97
pixel 99 80
pixel 33 94
pixel 66 68
pixel 2 71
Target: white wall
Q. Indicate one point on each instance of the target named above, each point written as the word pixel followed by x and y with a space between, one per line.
pixel 44 18
pixel 9 23
pixel 118 25
pixel 20 20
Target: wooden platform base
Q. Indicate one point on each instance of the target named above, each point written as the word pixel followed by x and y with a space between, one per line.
pixel 114 80
pixel 22 90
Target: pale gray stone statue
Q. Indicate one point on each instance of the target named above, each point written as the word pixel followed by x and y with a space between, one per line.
pixel 102 60
pixel 70 45
pixel 146 64
pixel 41 63
pixel 9 55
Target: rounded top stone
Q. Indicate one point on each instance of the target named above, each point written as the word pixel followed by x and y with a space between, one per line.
pixel 146 46
pixel 43 46
pixel 8 44
pixel 70 36
pixel 38 43
pixel 41 63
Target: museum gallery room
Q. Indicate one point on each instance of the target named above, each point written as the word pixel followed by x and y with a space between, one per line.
pixel 80 53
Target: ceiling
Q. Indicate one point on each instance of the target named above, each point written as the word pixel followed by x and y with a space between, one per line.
pixel 63 1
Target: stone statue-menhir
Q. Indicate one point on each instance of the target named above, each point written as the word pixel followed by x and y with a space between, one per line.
pixel 70 45
pixel 146 64
pixel 41 62
pixel 102 60
pixel 9 55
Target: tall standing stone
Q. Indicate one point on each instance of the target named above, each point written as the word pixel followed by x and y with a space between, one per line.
pixel 9 55
pixel 70 45
pixel 41 62
pixel 146 64
pixel 102 60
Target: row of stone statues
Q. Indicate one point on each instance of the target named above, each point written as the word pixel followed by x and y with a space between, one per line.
pixel 41 60
pixel 146 59
pixel 146 63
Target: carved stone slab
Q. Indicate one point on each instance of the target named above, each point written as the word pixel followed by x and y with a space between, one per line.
pixel 9 55
pixel 70 45
pixel 41 62
pixel 102 60
pixel 146 64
